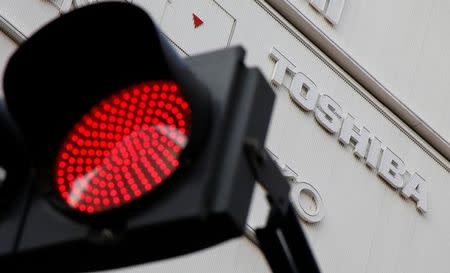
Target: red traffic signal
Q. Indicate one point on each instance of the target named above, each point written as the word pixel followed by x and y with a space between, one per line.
pixel 124 147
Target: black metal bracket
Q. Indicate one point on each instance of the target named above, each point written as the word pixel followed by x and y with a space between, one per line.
pixel 282 239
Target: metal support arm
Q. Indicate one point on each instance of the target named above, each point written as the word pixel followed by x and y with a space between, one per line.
pixel 282 239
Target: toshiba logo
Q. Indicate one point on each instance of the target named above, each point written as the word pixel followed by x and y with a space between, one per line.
pixel 332 117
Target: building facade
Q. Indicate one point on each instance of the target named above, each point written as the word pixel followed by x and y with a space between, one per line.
pixel 360 126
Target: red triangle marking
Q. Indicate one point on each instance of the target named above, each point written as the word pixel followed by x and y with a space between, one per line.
pixel 197 21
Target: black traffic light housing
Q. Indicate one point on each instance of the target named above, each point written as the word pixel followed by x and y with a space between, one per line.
pixel 75 61
pixel 72 63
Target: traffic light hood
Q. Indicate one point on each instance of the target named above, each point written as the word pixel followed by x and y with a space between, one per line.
pixel 84 56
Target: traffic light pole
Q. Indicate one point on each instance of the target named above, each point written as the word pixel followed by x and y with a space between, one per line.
pixel 282 239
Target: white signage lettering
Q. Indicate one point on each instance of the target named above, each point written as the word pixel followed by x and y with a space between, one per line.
pixel 312 213
pixel 416 188
pixel 391 168
pixel 329 114
pixel 304 92
pixel 282 67
pixel 373 155
pixel 331 9
pixel 301 193
pixel 357 135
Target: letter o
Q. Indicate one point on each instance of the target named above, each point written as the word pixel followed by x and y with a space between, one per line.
pixel 308 100
pixel 305 213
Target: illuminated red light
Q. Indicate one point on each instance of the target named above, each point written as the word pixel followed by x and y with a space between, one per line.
pixel 124 147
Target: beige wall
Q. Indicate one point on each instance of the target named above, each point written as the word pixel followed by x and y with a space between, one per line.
pixel 368 227
pixel 403 44
pixel 6 48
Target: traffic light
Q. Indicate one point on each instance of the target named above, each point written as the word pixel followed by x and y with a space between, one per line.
pixel 135 155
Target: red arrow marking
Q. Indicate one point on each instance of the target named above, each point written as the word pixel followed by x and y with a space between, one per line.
pixel 197 21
